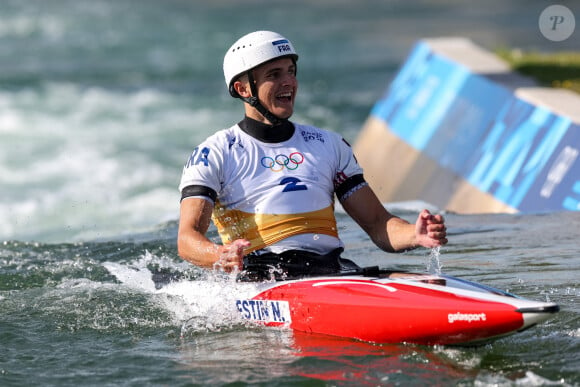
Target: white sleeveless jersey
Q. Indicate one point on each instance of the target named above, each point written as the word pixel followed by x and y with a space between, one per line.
pixel 279 196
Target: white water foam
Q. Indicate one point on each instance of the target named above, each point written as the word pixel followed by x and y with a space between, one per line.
pixel 80 163
pixel 206 304
pixel 529 380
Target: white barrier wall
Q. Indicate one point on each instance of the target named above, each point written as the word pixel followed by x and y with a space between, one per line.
pixel 458 129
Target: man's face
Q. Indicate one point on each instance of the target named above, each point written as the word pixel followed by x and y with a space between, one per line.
pixel 277 85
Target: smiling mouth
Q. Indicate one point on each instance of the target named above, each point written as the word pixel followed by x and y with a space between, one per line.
pixel 285 97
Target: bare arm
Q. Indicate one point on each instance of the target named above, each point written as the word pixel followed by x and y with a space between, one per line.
pixel 389 232
pixel 195 247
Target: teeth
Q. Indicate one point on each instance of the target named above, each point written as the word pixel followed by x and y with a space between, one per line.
pixel 285 95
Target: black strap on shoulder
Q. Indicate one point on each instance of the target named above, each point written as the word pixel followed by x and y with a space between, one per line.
pixel 198 190
pixel 349 184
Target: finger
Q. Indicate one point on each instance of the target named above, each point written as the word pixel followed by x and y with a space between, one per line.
pixel 241 242
pixel 437 227
pixel 442 241
pixel 231 264
pixel 239 245
pixel 435 219
pixel 438 236
pixel 230 267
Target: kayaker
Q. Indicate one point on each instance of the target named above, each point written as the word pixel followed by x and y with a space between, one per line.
pixel 269 183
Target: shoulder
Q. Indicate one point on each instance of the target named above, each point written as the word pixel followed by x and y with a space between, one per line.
pixel 222 140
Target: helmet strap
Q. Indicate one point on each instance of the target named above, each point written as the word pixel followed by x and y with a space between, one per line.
pixel 255 102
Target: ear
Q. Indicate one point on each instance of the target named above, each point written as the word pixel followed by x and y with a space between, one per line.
pixel 242 88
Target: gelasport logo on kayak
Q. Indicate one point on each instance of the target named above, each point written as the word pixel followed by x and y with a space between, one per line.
pixel 265 311
pixel 469 317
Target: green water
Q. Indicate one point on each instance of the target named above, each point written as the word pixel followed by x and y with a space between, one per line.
pixel 89 314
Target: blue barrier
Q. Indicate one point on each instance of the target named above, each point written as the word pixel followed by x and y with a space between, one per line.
pixel 522 154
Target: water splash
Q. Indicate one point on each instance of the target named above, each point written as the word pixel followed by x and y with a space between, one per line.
pixel 202 304
pixel 434 265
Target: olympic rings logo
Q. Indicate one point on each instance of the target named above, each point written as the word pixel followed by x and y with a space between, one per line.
pixel 278 163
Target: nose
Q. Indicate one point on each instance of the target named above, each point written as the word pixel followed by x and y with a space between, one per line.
pixel 289 80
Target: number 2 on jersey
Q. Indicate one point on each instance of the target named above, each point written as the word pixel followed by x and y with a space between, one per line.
pixel 292 184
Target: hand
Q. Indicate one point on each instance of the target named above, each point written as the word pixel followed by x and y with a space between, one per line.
pixel 430 230
pixel 231 256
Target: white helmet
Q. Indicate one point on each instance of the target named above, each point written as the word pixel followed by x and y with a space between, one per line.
pixel 252 50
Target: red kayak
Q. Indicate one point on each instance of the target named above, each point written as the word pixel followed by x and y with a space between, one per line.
pixel 395 308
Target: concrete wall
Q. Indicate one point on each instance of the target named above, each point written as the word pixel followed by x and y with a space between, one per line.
pixel 458 129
